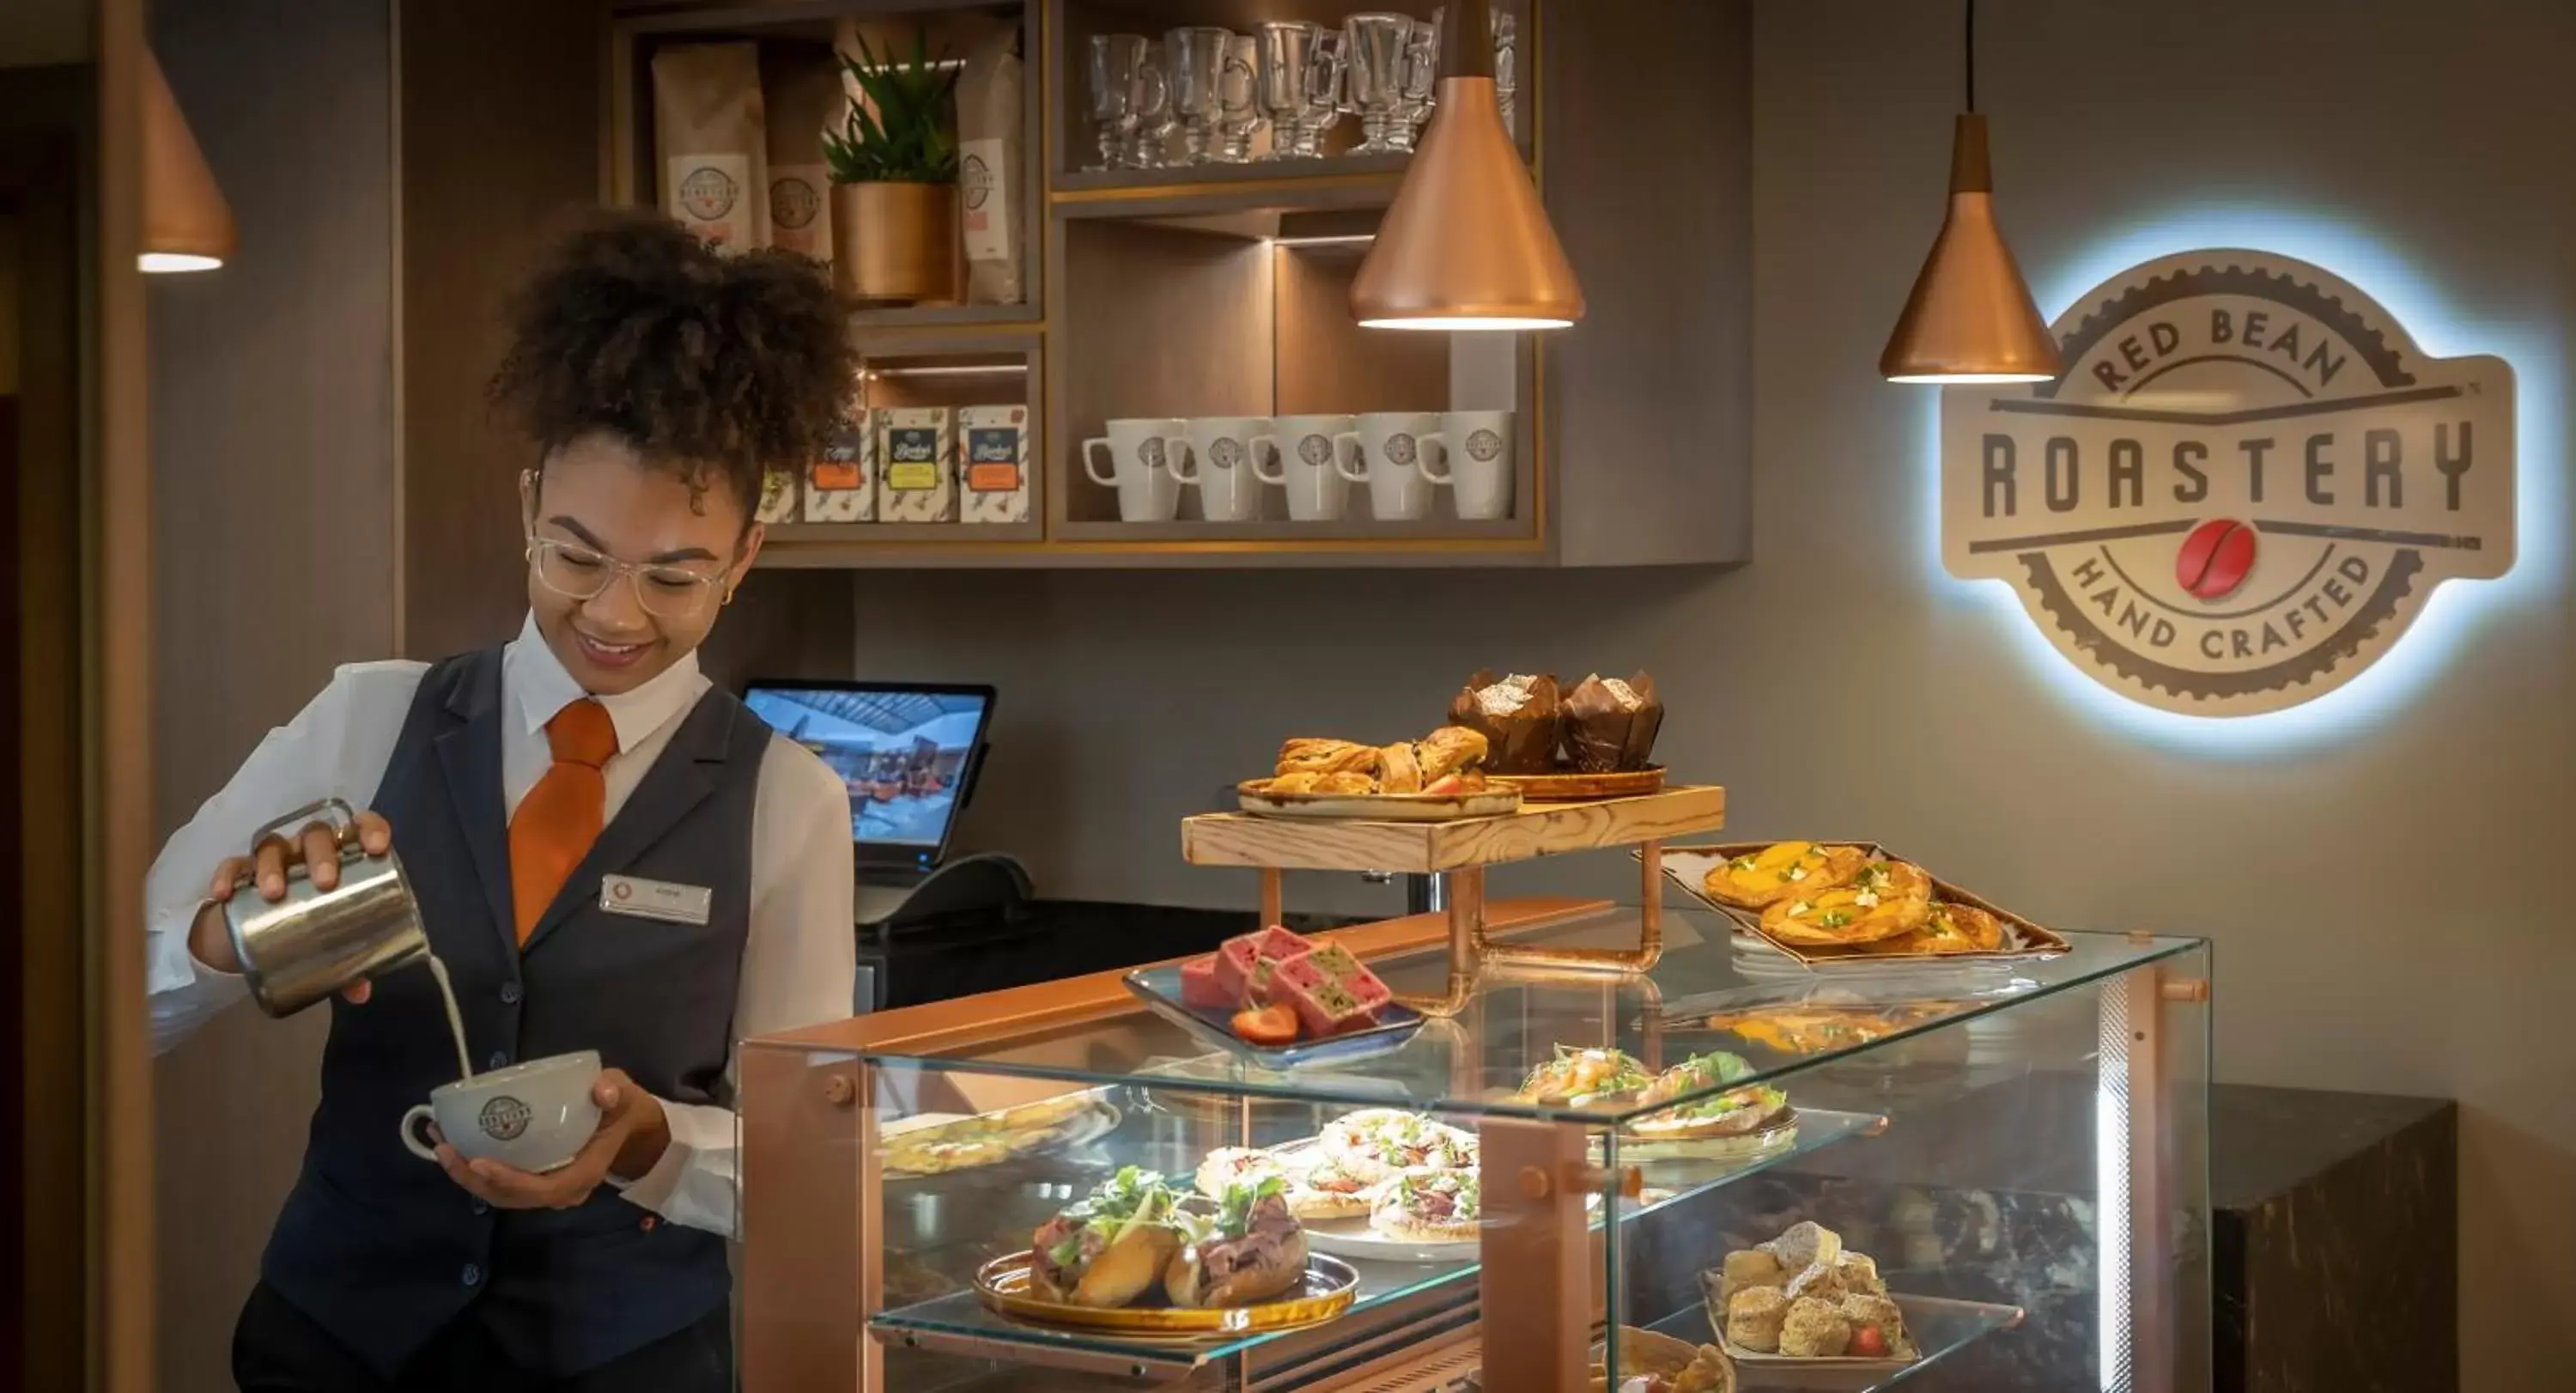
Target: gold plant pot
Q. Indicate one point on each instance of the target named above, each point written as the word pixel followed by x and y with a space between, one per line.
pixel 895 243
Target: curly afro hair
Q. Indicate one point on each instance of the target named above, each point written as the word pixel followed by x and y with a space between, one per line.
pixel 715 367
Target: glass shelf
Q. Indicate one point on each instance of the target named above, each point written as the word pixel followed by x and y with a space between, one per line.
pixel 958 1321
pixel 1474 1064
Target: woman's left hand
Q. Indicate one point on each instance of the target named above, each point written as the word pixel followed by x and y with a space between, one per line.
pixel 631 1137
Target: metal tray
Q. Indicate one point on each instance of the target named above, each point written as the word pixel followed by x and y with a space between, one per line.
pixel 1688 867
pixel 1326 1291
pixel 1160 989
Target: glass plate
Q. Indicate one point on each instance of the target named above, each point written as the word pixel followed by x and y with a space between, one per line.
pixel 1160 988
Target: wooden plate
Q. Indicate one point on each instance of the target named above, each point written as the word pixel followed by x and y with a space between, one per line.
pixel 1572 787
pixel 1378 807
pixel 1324 1293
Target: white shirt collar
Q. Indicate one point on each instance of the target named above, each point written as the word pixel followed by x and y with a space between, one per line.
pixel 530 668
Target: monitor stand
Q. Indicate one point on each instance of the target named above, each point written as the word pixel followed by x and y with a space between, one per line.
pixel 984 882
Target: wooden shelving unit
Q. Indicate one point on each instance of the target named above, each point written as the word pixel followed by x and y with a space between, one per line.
pixel 1221 290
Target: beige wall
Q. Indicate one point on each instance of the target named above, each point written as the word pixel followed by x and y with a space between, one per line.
pixel 272 453
pixel 2337 876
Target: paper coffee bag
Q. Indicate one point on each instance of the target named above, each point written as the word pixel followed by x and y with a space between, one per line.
pixel 803 92
pixel 709 131
pixel 989 130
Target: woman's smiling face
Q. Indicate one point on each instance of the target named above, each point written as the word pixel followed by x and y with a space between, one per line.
pixel 598 498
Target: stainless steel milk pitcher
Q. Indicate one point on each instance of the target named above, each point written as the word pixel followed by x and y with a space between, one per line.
pixel 314 943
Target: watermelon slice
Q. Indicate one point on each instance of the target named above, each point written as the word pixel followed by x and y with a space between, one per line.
pixel 1243 963
pixel 1331 990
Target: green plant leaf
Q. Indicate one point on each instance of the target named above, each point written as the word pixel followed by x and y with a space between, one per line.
pixel 900 131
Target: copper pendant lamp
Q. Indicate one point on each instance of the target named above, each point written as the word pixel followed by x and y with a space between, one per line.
pixel 1467 244
pixel 187 226
pixel 1970 318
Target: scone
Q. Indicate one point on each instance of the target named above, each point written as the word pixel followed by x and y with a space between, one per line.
pixel 1884 899
pixel 1860 1275
pixel 1746 1268
pixel 1865 1312
pixel 1803 1245
pixel 1780 870
pixel 1754 1317
pixel 1814 1330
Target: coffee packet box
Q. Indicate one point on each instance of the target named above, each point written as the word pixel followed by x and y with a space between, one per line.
pixel 916 465
pixel 842 485
pixel 777 497
pixel 993 453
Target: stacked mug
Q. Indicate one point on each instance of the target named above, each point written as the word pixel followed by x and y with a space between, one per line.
pixel 1399 457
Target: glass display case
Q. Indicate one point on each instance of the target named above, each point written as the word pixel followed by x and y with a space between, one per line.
pixel 1984 1175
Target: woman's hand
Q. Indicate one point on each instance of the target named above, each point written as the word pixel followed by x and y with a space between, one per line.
pixel 632 1136
pixel 319 846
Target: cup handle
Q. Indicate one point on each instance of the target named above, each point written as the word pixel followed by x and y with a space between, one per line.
pixel 1179 458
pixel 1350 460
pixel 1435 443
pixel 1108 481
pixel 418 1114
pixel 1277 473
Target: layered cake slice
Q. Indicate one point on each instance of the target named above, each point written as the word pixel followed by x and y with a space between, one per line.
pixel 1330 989
pixel 1241 969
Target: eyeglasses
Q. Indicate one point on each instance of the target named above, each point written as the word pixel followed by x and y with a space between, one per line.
pixel 576 572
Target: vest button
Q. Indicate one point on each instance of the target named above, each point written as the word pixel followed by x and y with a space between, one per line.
pixel 473 1275
pixel 480 1207
pixel 509 993
pixel 500 1060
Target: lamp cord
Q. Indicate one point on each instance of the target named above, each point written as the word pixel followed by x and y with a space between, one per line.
pixel 1971 47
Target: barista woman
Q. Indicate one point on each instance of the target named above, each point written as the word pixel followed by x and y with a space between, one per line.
pixel 655 381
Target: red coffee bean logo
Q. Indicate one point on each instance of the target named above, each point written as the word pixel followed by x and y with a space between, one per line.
pixel 2215 558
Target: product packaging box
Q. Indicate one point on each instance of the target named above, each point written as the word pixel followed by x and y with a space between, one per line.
pixel 841 486
pixel 916 465
pixel 993 453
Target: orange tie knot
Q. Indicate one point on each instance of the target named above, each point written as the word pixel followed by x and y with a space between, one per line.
pixel 582 734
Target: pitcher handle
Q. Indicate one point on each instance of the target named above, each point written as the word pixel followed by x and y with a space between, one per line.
pixel 341 826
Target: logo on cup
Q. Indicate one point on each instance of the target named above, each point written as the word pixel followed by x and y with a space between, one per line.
pixel 1226 454
pixel 2244 489
pixel 1316 450
pixel 707 193
pixel 504 1118
pixel 1151 452
pixel 793 203
pixel 1399 449
pixel 1483 446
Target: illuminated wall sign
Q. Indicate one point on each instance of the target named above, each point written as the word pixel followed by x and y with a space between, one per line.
pixel 2242 491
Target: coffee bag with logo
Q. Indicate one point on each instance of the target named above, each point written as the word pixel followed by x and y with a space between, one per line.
pixel 710 132
pixel 803 93
pixel 993 454
pixel 842 485
pixel 916 465
pixel 989 154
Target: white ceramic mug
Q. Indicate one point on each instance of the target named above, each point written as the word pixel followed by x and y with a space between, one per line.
pixel 1218 461
pixel 1397 462
pixel 1476 450
pixel 1140 451
pixel 1306 458
pixel 535 1116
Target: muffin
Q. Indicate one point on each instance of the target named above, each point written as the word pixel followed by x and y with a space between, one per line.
pixel 1610 724
pixel 1814 1330
pixel 1754 1317
pixel 1521 717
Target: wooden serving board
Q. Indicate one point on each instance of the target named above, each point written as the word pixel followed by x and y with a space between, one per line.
pixel 1570 787
pixel 1538 829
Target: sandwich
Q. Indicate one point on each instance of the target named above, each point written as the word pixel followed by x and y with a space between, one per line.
pixel 1318 1186
pixel 1250 1251
pixel 1112 1246
pixel 1375 1143
pixel 1579 1077
pixel 1430 1207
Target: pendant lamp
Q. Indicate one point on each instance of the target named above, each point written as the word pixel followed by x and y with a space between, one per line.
pixel 187 226
pixel 1467 244
pixel 1970 318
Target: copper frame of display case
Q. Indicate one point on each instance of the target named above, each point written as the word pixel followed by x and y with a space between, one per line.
pixel 1458 853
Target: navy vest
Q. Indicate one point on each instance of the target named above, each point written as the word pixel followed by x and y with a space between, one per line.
pixel 377 1245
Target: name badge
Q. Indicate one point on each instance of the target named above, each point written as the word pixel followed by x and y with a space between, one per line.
pixel 655 899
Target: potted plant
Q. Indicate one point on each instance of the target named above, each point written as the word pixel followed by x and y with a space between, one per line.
pixel 894 178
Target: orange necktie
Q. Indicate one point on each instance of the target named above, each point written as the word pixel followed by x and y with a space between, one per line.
pixel 561 816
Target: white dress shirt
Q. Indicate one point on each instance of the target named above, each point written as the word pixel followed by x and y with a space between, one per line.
pixel 799 959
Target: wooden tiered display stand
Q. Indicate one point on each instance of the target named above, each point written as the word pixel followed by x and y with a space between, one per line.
pixel 1458 853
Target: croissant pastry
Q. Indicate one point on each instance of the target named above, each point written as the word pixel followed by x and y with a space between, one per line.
pixel 1449 750
pixel 1399 770
pixel 1308 755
